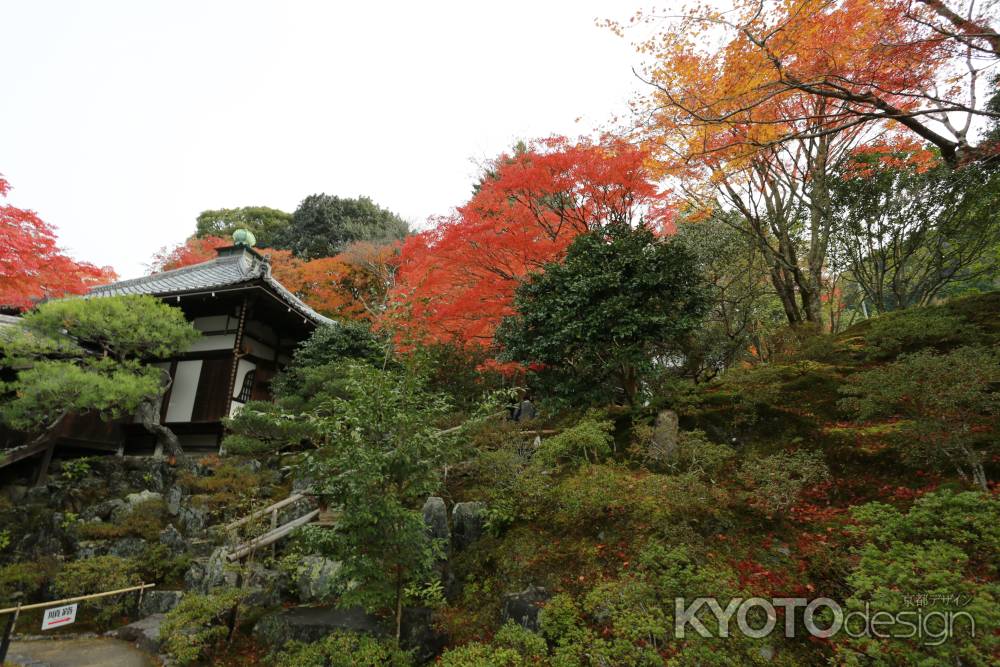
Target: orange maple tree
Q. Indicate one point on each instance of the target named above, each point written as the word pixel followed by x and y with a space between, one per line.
pixel 456 281
pixel 353 284
pixel 32 267
pixel 839 63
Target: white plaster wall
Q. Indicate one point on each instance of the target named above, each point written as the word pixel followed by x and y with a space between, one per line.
pixel 221 342
pixel 258 348
pixel 212 323
pixel 183 391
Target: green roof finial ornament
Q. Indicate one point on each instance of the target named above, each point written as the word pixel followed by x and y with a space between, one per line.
pixel 244 237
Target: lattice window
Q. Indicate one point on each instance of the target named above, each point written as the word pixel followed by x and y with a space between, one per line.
pixel 247 389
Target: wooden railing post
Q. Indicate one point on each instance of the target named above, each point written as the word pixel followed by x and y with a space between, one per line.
pixel 8 631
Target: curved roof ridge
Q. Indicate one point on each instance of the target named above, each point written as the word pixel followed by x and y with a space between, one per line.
pixel 223 271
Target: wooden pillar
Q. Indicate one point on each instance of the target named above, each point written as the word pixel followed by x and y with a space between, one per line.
pixel 8 631
pixel 236 361
pixel 43 467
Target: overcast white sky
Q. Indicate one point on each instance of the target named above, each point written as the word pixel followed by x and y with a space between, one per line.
pixel 121 121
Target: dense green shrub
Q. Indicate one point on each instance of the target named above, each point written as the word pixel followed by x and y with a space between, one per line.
pixel 97 575
pixel 144 520
pixel 26 578
pixel 693 452
pixel 232 487
pixel 775 482
pixel 630 620
pixel 599 496
pixel 949 402
pixel 158 564
pixel 516 487
pixel 589 441
pixel 343 649
pixel 74 469
pixel 197 625
pixel 601 320
pixel 914 328
pixel 929 560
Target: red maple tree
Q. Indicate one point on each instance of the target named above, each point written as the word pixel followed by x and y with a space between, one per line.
pixel 32 266
pixel 456 281
pixel 193 251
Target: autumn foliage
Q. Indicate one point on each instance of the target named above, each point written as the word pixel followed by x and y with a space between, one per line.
pixel 456 281
pixel 765 71
pixel 193 251
pixel 351 285
pixel 32 267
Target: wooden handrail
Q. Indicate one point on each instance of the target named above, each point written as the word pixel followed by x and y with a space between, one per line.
pixel 24 451
pixel 271 536
pixel 53 603
pixel 295 497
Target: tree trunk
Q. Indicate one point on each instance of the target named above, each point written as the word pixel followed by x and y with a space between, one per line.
pixel 148 414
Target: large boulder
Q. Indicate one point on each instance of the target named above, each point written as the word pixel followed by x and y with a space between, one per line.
pixel 172 539
pixel 316 578
pixel 193 518
pixel 468 521
pixel 436 519
pixel 127 547
pixel 205 575
pixel 104 510
pixel 665 435
pixel 134 499
pixel 173 499
pixel 144 633
pixel 523 607
pixel 311 624
pixel 419 634
pixel 159 602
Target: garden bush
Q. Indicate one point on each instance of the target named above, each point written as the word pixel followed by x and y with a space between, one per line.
pixel 907 330
pixel 587 441
pixel 197 626
pixel 775 482
pixel 343 649
pixel 145 520
pixel 97 575
pixel 930 560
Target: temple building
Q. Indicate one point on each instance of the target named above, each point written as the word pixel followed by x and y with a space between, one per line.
pixel 250 325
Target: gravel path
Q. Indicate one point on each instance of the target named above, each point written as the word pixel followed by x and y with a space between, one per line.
pixel 78 653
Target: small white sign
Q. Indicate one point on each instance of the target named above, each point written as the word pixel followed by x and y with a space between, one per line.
pixel 57 616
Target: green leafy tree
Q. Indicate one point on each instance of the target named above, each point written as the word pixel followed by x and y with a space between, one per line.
pixel 906 234
pixel 745 312
pixel 323 225
pixel 91 356
pixel 304 390
pixel 948 401
pixel 622 301
pixel 381 460
pixel 267 224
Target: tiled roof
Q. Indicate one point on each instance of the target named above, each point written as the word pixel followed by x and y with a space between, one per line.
pixel 228 270
pixel 8 320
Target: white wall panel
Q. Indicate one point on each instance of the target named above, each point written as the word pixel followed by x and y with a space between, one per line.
pixel 221 342
pixel 183 391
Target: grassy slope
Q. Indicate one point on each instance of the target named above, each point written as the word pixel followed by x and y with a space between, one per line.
pixel 591 524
